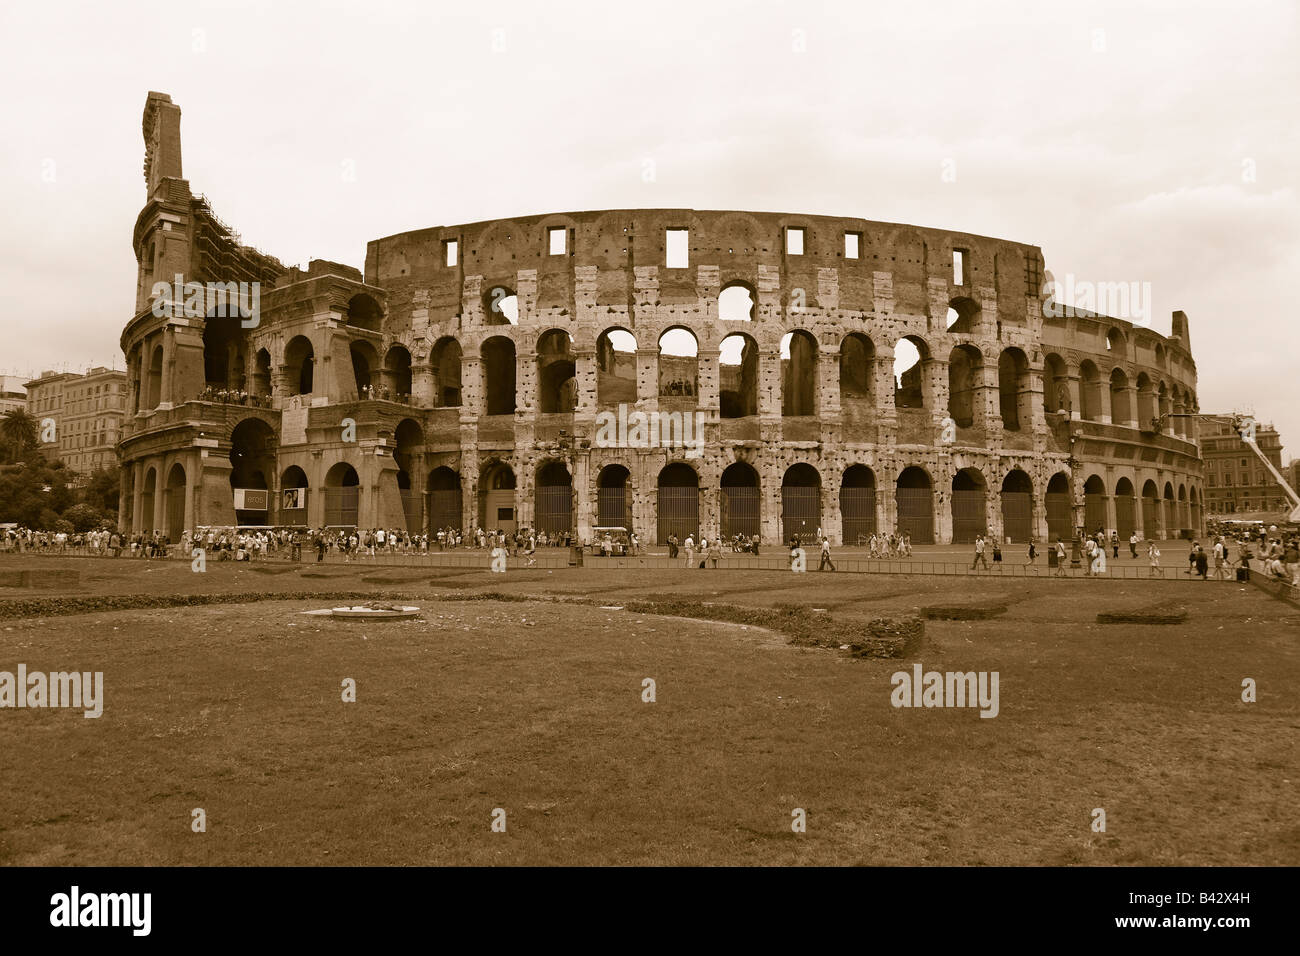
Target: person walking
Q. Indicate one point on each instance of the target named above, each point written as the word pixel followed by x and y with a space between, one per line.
pixel 1153 555
pixel 689 547
pixel 979 553
pixel 826 555
pixel 1033 555
pixel 1060 557
pixel 1133 544
pixel 1114 544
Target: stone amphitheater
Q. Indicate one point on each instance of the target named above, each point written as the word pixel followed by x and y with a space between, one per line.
pixel 846 375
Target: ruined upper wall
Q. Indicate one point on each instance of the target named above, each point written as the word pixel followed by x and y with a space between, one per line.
pixel 744 247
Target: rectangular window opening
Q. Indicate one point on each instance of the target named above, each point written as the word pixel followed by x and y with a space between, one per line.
pixel 959 267
pixel 557 239
pixel 450 249
pixel 678 255
pixel 794 242
pixel 852 245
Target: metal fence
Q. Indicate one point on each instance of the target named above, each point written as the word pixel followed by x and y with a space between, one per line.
pixel 679 512
pixel 969 518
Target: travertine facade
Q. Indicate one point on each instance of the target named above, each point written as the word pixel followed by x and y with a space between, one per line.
pixel 474 362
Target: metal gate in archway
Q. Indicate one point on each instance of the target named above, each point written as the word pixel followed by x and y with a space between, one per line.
pixel 678 512
pixel 1124 525
pixel 412 510
pixel 554 509
pixel 1060 523
pixel 1150 518
pixel 1094 512
pixel 445 509
pixel 611 508
pixel 858 513
pixel 916 514
pixel 969 518
pixel 740 510
pixel 801 512
pixel 1018 516
pixel 342 506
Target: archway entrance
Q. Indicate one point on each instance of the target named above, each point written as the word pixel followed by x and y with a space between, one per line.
pixel 741 500
pixel 801 503
pixel 1017 506
pixel 611 498
pixel 1060 519
pixel 679 502
pixel 858 504
pixel 174 502
pixel 553 499
pixel 914 496
pixel 445 500
pixel 342 496
pixel 969 517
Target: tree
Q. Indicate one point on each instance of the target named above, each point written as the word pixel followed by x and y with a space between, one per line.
pixel 19 434
pixel 103 488
pixel 30 490
pixel 84 517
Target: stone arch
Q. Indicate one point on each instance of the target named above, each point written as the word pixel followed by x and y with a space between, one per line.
pixel 557 386
pixel 801 502
pixel 497 356
pixel 738 376
pixel 496 497
pixel 174 502
pixel 965 368
pixel 397 374
pixel 342 493
pixel 365 362
pixel 1056 384
pixel 446 499
pixel 857 368
pixel 741 500
pixel 445 366
pixel 969 505
pixel 1058 505
pixel 857 505
pixel 553 498
pixel 679 365
pixel 1094 504
pixel 678 510
pixel 1017 500
pixel 613 501
pixel 914 499
pixel 963 315
pixel 1125 508
pixel 616 367
pixel 300 365
pixel 293 497
pixel 1014 389
pixel 911 363
pixel 1089 391
pixel 364 312
pixel 798 373
pixel 1121 411
pixel 737 301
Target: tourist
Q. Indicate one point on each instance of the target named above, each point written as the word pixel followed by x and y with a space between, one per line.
pixel 979 553
pixel 1153 555
pixel 1033 554
pixel 826 555
pixel 689 547
pixel 1133 544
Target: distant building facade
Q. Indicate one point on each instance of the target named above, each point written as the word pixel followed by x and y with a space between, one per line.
pixel 1236 481
pixel 86 411
pixel 12 394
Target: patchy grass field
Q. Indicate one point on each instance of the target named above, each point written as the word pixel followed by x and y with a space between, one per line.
pixel 535 706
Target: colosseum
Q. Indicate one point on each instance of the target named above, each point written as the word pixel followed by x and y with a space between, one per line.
pixel 460 379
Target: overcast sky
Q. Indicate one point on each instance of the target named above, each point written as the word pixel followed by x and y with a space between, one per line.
pixel 1135 142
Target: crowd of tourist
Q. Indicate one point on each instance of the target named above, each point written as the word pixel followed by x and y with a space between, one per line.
pixel 234 396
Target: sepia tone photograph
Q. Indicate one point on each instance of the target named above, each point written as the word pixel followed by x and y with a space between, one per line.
pixel 750 435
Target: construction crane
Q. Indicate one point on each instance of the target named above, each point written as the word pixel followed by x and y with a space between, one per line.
pixel 1243 425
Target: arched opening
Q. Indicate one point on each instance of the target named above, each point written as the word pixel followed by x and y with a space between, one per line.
pixel 500 306
pixel 914 498
pixel 1163 406
pixel 1196 511
pixel 1183 523
pixel 911 361
pixel 965 365
pixel 1170 515
pixel 397 375
pixel 1089 392
pixel 174 502
pixel 1121 412
pixel 557 386
pixel 498 361
pixel 679 366
pixel 738 376
pixel 1059 507
pixel 962 316
pixel 408 449
pixel 223 351
pixel 444 361
pixel 969 516
pixel 801 503
pixel 1115 344
pixel 1146 403
pixel 857 369
pixel 741 500
pixel 364 360
pixel 293 497
pixel 613 509
pixel 1125 512
pixel 342 496
pixel 553 499
pixel 299 363
pixel 1018 506
pixel 616 368
pixel 155 378
pixel 858 504
pixel 1056 385
pixel 679 502
pixel 1150 510
pixel 262 374
pixel 736 302
pixel 1013 389
pixel 798 374
pixel 146 501
pixel 496 498
pixel 1094 504
pixel 445 499
pixel 253 448
pixel 364 313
